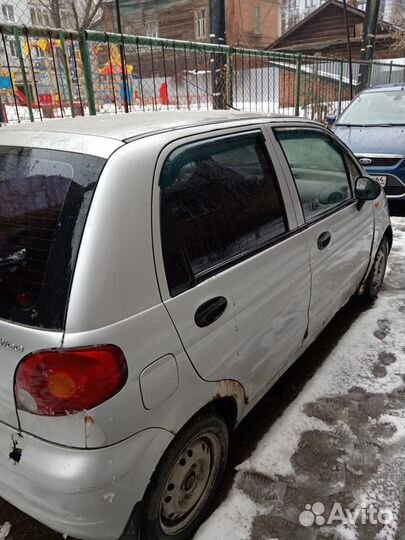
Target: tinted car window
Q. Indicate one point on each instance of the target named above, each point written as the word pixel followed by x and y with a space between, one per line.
pixel 44 198
pixel 219 200
pixel 318 168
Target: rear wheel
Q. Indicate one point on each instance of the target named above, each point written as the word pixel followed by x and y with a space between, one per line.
pixel 179 496
pixel 376 277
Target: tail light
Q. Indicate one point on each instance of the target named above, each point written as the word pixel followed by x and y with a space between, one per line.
pixel 60 382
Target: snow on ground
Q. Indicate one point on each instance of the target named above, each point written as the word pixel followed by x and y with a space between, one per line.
pixel 340 444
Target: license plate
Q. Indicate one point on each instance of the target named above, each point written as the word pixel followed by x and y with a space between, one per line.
pixel 382 180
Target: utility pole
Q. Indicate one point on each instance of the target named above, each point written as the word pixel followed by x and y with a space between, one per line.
pixel 217 11
pixel 367 46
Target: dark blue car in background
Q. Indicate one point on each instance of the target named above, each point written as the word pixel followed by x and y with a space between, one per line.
pixel 373 127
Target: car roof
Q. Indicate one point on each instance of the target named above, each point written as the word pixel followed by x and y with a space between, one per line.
pixel 393 87
pixel 124 127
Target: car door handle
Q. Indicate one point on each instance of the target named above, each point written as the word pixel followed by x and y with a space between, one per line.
pixel 210 311
pixel 324 239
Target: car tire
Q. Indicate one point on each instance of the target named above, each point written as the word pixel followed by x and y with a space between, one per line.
pixel 376 277
pixel 181 491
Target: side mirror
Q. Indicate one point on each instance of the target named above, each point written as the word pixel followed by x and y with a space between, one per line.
pixel 366 189
pixel 330 119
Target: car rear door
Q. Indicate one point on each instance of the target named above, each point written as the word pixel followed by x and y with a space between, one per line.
pixel 338 230
pixel 234 279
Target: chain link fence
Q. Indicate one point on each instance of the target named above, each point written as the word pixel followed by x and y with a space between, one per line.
pixel 48 73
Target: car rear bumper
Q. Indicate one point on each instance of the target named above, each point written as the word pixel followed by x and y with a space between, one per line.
pixel 87 494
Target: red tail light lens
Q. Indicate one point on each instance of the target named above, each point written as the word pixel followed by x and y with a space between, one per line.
pixel 56 383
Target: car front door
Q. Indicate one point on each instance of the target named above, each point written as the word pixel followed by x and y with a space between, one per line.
pixel 338 230
pixel 237 282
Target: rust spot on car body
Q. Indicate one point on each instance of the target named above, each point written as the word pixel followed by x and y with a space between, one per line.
pixel 89 420
pixel 233 389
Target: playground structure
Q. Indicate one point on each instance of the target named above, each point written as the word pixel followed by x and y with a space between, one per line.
pixel 48 86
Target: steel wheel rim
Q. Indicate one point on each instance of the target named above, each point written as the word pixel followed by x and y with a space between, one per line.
pixel 379 269
pixel 189 483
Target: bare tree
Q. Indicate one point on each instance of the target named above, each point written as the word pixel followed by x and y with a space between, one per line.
pixel 81 13
pixel 398 29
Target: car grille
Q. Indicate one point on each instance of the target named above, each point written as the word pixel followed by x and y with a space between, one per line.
pixel 381 161
pixel 394 190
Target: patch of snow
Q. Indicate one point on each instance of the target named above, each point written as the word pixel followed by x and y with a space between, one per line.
pixel 231 520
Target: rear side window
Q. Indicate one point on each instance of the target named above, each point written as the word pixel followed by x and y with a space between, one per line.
pixel 318 167
pixel 219 202
pixel 44 199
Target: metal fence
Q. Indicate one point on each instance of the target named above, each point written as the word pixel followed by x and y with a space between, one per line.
pixel 48 73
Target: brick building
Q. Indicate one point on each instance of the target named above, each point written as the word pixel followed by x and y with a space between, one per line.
pixel 249 23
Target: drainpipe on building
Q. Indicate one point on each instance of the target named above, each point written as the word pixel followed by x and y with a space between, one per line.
pixel 218 60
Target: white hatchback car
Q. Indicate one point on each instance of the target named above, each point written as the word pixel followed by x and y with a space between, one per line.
pixel 158 273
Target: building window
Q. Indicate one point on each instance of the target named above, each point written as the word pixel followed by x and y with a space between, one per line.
pixel 258 21
pixel 40 16
pixel 8 12
pixel 13 48
pixel 38 52
pixel 152 29
pixel 200 23
pixel 66 19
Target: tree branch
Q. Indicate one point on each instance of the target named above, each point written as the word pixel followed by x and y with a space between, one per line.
pixel 93 13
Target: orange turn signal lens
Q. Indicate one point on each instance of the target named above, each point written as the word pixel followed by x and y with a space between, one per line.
pixel 61 385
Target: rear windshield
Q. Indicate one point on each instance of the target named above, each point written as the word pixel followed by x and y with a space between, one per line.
pixel 44 200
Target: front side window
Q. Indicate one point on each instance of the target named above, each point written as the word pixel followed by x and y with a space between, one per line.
pixel 318 167
pixel 219 201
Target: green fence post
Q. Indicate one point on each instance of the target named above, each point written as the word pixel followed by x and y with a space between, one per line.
pixel 67 72
pixel 340 88
pixel 27 89
pixel 229 77
pixel 390 75
pixel 84 51
pixel 298 84
pixel 370 73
